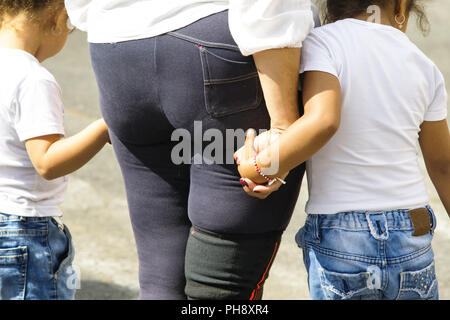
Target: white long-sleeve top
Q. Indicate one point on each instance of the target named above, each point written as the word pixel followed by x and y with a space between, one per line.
pixel 256 25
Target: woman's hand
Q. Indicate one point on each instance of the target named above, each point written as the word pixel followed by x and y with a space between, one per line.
pixel 260 191
pixel 260 142
pixel 253 183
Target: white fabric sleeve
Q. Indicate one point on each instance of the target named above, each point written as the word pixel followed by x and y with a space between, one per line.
pixel 258 25
pixel 437 110
pixel 39 110
pixel 316 55
pixel 78 13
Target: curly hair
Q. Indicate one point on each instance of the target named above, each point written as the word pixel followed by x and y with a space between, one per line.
pixel 31 7
pixel 341 9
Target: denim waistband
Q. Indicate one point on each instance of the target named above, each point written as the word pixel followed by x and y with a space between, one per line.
pixel 12 217
pixel 364 220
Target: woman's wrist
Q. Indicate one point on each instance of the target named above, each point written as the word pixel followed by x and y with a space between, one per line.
pixel 283 124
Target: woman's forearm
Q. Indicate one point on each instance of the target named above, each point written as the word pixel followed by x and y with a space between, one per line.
pixel 68 155
pixel 278 71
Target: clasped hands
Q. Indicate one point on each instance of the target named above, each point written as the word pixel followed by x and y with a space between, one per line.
pixel 264 149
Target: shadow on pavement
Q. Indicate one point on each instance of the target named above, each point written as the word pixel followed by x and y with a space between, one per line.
pixel 96 290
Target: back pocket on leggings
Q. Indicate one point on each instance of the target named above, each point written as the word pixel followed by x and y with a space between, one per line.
pixel 231 82
pixel 13 266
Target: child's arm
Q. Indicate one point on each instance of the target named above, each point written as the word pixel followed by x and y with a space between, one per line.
pixel 434 141
pixel 306 136
pixel 54 157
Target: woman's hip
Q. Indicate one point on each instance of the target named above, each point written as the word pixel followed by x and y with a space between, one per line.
pixel 150 87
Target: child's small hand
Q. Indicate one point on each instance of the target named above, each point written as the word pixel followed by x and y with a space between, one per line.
pixel 252 182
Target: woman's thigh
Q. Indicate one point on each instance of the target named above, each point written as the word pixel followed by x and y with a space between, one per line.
pixel 157 194
pixel 157 189
pixel 224 267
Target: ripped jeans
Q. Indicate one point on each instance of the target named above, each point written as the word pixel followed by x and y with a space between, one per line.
pixel 368 256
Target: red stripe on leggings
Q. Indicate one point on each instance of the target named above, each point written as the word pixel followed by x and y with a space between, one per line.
pixel 258 286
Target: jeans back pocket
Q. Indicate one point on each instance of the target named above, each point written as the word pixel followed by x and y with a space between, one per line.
pixel 231 82
pixel 418 285
pixel 13 268
pixel 348 286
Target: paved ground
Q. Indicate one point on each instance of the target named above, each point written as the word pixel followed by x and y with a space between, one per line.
pixel 96 210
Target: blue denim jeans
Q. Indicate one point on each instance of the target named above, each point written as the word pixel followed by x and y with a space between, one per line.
pixel 36 255
pixel 368 255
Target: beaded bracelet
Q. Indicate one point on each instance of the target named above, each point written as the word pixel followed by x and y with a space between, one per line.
pixel 269 180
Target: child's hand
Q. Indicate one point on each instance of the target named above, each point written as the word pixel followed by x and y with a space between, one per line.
pixel 252 182
pixel 245 157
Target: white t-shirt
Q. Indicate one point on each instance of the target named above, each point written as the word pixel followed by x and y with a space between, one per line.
pixel 30 106
pixel 389 87
pixel 256 25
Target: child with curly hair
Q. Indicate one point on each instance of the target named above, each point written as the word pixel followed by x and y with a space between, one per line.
pixel 36 251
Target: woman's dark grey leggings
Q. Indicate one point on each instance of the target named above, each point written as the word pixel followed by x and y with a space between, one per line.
pixel 193 80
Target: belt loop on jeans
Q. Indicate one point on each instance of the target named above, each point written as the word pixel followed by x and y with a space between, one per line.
pixel 378 226
pixel 315 227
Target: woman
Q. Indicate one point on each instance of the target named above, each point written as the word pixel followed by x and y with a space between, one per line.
pixel 371 96
pixel 173 70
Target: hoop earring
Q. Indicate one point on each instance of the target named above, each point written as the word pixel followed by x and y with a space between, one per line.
pixel 400 23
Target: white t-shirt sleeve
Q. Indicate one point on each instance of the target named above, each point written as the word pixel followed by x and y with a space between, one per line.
pixel 39 109
pixel 437 110
pixel 78 13
pixel 258 25
pixel 317 56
